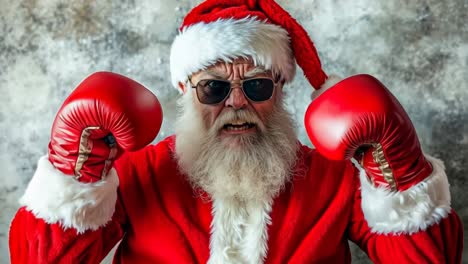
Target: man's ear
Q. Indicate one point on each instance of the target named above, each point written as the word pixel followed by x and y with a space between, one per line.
pixel 182 87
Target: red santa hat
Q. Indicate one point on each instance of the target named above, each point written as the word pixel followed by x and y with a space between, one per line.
pixel 223 30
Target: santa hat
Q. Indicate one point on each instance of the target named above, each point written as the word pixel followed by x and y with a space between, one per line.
pixel 223 30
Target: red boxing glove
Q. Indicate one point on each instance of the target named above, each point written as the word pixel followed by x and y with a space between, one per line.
pixel 105 114
pixel 360 113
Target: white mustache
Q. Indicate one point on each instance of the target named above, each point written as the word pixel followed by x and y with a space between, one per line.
pixel 238 116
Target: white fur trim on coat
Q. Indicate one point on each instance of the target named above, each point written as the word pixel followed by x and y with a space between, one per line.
pixel 239 232
pixel 59 198
pixel 409 211
pixel 203 44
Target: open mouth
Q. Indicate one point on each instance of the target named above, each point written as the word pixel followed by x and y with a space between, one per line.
pixel 238 126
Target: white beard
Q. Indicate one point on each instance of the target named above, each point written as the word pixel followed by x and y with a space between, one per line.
pixel 255 169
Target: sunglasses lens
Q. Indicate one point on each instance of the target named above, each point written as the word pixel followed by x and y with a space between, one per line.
pixel 212 91
pixel 258 90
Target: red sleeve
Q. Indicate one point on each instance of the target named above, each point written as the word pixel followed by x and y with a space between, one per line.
pixel 439 242
pixel 32 240
pixel 65 221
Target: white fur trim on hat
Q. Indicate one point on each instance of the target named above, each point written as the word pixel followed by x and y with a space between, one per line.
pixel 330 82
pixel 203 44
pixel 409 211
pixel 59 198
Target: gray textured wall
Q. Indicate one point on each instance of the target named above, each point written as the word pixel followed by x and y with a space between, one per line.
pixel 418 48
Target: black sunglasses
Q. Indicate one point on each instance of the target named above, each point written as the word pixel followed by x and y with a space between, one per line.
pixel 214 91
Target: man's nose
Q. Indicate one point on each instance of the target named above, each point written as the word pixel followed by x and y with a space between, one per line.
pixel 236 98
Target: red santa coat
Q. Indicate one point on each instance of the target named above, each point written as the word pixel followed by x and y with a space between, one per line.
pixel 161 219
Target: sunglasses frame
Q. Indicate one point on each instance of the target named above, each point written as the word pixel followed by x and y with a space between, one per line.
pixel 241 86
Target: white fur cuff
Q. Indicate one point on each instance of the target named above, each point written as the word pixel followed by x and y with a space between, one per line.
pixel 409 211
pixel 59 198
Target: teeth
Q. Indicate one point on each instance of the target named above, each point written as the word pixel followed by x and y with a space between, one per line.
pixel 237 128
pixel 238 123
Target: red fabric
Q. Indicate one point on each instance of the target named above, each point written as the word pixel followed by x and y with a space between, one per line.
pixel 34 241
pixel 358 112
pixel 440 243
pixel 302 46
pixel 164 221
pixel 116 105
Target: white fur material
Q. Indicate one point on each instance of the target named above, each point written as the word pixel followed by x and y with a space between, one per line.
pixel 239 232
pixel 59 198
pixel 203 44
pixel 409 211
pixel 332 80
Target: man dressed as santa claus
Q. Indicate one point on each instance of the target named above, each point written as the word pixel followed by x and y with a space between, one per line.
pixel 234 185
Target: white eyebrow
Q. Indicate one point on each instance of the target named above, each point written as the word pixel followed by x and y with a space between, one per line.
pixel 213 74
pixel 217 75
pixel 254 72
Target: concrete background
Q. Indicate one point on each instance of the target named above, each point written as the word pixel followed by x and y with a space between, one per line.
pixel 418 48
